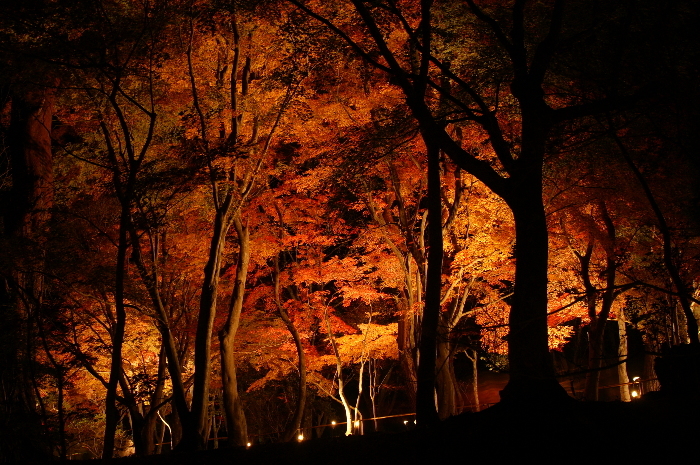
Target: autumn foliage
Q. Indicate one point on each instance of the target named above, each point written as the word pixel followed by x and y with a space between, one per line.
pixel 219 232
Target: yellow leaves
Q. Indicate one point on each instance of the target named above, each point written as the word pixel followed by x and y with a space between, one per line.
pixel 373 341
pixel 318 362
pixel 558 336
pixel 277 370
pixel 359 292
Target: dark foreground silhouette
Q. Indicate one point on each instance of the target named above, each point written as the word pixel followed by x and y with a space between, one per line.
pixel 651 429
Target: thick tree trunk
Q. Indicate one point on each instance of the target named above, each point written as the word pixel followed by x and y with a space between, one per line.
pixel 530 363
pixel 235 417
pixel 596 333
pixel 31 196
pixel 426 412
pixel 25 213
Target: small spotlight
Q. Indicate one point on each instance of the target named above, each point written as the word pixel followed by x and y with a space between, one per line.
pixel 333 423
pixel 635 379
pixel 635 394
pixel 248 445
pixel 414 422
pixel 300 437
pixel 405 422
pixel 357 423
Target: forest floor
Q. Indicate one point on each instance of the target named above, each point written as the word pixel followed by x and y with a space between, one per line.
pixel 652 429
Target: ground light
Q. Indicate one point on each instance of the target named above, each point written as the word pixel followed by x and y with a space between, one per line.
pixel 300 437
pixel 638 385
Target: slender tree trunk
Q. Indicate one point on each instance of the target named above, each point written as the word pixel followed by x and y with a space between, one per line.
pixel 372 369
pixel 358 425
pixel 474 358
pixel 235 417
pixel 446 381
pixel 169 345
pixel 151 434
pixel 295 424
pixel 118 329
pixel 60 375
pixel 622 354
pixel 205 325
pixel 339 376
pixel 407 349
pixel 669 259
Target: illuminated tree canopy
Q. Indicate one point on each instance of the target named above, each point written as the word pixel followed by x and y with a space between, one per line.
pixel 237 221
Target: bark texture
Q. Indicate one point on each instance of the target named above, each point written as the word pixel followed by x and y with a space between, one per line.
pixel 235 417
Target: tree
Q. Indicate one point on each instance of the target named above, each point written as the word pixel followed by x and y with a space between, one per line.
pixel 510 98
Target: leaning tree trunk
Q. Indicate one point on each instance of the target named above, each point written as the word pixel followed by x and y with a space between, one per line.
pixel 169 345
pixel 295 424
pixel 235 417
pixel 668 252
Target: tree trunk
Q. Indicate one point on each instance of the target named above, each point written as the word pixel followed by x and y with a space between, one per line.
pixel 205 325
pixel 426 412
pixel 622 354
pixel 669 259
pixel 530 363
pixel 295 424
pixel 446 381
pixel 151 435
pixel 117 334
pixel 25 210
pixel 235 417
pixel 474 358
pixel 596 333
pixel 169 346
pixel 407 350
pixel 31 197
